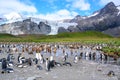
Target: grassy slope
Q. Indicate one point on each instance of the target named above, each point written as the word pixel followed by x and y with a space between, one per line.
pixel 76 37
pixel 6 36
pixel 89 36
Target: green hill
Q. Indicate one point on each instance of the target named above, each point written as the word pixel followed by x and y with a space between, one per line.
pixel 74 36
pixel 92 34
pixel 2 35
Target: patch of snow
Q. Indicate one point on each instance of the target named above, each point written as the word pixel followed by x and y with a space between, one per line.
pixel 13 16
pixel 37 20
pixel 118 13
pixel 119 10
pixel 100 19
pixel 10 21
pixel 84 17
pixel 93 14
pixel 118 7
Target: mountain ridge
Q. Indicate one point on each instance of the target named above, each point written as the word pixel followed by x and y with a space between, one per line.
pixel 104 20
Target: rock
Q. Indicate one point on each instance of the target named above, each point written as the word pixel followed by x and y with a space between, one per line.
pixel 115 32
pixel 25 27
pixel 73 29
pixel 110 8
pixel 118 61
pixel 62 30
pixel 111 73
pixel 44 28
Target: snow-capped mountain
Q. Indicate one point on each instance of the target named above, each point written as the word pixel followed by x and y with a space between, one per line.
pixel 14 25
pixel 11 17
pixel 106 20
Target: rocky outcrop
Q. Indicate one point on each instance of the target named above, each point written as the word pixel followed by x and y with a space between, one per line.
pixel 44 28
pixel 115 32
pixel 73 29
pixel 62 30
pixel 25 27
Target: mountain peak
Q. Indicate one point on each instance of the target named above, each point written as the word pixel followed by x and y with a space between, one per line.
pixel 109 8
pixel 110 4
pixel 13 16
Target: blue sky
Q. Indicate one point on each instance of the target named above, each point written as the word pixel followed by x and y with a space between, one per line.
pixel 52 9
pixel 45 6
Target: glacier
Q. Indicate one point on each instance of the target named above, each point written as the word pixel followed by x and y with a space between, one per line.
pixel 54 24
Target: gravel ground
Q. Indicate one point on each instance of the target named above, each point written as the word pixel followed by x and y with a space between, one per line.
pixel 83 70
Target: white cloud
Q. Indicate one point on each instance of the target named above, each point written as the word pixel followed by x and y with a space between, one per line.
pixel 63 12
pixel 8 6
pixel 103 2
pixel 79 4
pixel 26 8
pixel 58 15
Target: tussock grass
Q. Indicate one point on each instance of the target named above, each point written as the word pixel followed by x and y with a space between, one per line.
pixel 88 37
